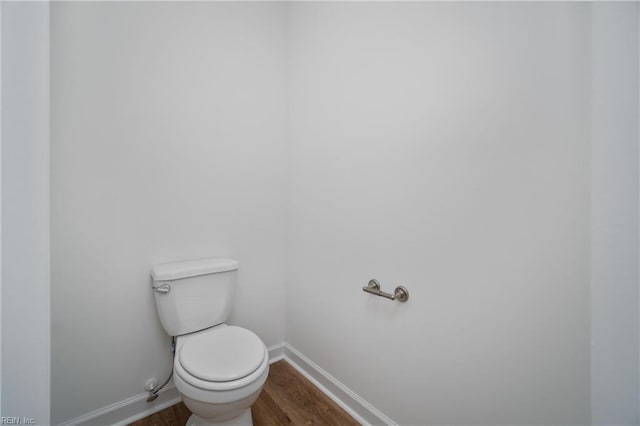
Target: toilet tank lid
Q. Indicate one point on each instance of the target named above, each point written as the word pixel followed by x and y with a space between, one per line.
pixel 193 268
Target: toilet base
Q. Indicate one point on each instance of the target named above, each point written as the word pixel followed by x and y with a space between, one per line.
pixel 243 419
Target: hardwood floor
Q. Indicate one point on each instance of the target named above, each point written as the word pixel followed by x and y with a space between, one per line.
pixel 286 399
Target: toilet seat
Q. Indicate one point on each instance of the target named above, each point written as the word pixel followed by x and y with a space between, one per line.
pixel 222 355
pixel 222 358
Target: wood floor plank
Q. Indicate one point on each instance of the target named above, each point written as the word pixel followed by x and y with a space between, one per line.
pixel 287 398
pixel 175 415
pixel 265 412
pixel 301 401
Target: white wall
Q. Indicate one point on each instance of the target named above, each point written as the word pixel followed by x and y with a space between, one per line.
pixel 614 214
pixel 25 211
pixel 167 144
pixel 445 147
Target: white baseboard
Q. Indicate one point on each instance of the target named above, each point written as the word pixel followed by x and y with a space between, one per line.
pixel 135 408
pixel 352 403
pixel 129 410
pixel 276 352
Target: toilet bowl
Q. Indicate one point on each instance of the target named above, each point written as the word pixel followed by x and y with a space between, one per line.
pixel 219 373
pixel 219 369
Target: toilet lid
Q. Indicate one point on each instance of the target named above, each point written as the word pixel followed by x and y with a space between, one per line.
pixel 222 355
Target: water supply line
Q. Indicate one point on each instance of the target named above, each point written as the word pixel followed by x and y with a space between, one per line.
pixel 153 392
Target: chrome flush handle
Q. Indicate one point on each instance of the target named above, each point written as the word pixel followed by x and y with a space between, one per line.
pixel 162 288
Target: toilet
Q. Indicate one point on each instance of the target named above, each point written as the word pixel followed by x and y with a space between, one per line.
pixel 219 369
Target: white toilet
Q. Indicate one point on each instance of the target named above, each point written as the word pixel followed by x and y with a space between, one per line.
pixel 219 369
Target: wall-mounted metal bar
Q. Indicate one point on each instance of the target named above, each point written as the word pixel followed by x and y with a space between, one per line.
pixel 401 294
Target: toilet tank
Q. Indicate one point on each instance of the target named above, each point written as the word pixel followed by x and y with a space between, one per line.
pixel 195 294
